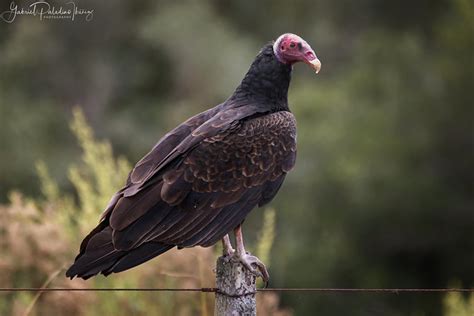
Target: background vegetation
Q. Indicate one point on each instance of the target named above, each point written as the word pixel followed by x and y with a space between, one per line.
pixel 382 195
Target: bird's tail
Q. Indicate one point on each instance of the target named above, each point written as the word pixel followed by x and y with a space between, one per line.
pixel 99 255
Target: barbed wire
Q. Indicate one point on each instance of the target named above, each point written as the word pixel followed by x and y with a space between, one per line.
pixel 216 290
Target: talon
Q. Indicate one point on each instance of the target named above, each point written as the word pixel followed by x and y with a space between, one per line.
pixel 255 266
pixel 247 259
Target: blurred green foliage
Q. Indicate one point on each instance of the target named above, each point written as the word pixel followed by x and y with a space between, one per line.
pixel 382 192
pixel 105 174
pixel 456 305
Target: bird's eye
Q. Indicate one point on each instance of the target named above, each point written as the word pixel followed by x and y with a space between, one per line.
pixel 292 45
pixel 282 47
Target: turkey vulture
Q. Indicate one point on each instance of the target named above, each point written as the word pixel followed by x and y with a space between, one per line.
pixel 202 178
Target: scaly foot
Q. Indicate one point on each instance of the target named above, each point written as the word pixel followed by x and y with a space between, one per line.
pixel 254 265
pixel 227 249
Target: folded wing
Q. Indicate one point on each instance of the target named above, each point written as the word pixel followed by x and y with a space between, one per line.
pixel 197 184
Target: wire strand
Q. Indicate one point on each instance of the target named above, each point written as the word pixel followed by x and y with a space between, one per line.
pixel 216 290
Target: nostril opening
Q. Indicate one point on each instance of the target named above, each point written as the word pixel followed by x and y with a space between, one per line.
pixel 310 55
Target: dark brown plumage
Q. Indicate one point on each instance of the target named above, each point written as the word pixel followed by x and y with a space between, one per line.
pixel 201 179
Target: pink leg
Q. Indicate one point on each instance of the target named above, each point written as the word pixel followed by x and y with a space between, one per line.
pixel 227 246
pixel 250 262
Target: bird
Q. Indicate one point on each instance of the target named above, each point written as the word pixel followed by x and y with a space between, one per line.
pixel 200 181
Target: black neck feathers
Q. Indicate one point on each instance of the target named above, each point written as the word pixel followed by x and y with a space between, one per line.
pixel 266 82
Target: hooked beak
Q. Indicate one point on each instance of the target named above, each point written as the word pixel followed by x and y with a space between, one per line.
pixel 315 64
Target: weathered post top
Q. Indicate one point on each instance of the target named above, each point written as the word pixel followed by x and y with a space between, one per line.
pixel 236 288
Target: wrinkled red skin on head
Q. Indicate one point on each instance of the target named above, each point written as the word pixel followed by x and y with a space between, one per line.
pixel 291 48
